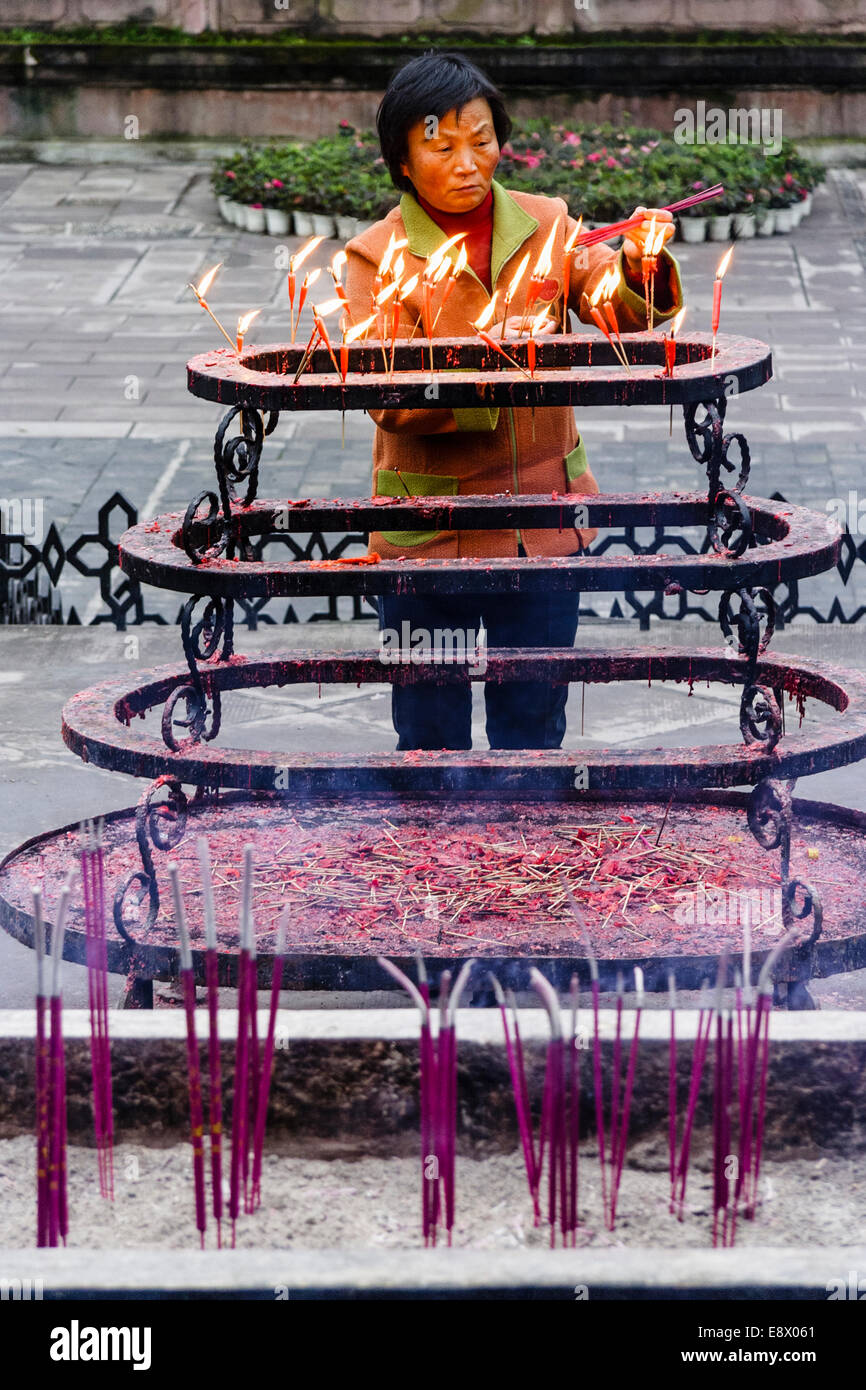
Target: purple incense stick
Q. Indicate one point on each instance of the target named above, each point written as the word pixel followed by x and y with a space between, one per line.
pixel 451 1130
pixel 596 1076
pixel 102 994
pixel 573 1112
pixel 524 1091
pixel 264 1088
pixel 43 1139
pixel 629 1088
pixel 95 1054
pixel 523 1120
pixel 555 1095
pixel 57 1193
pixel 215 1104
pixel 698 1056
pixel 196 1119
pixel 672 1083
pixel 427 1071
pixel 240 1099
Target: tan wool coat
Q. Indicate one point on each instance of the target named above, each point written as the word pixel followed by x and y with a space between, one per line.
pixel 441 452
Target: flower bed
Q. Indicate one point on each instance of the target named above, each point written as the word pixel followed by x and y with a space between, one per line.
pixel 602 171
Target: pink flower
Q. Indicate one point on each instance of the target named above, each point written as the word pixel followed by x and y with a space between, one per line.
pixel 700 184
pixel 571 138
pixel 789 179
pixel 612 163
pixel 645 149
pixel 277 183
pixel 532 161
pixel 230 174
pixel 652 144
pixel 255 205
pixel 593 158
pixel 344 123
pixel 750 197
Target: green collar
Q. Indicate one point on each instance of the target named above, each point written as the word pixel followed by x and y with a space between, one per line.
pixel 511 228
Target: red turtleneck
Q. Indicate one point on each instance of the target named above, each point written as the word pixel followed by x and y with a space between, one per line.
pixel 478 226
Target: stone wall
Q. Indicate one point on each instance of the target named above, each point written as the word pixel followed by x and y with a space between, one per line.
pixel 482 17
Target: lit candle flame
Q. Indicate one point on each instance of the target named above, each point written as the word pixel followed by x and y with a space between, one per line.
pixel 434 260
pixel 305 252
pixel 311 277
pixel 659 240
pixel 399 267
pixel 461 262
pixel 243 324
pixel 385 294
pixel 486 315
pixel 539 319
pixel 360 329
pixel 406 289
pixel 246 319
pixel 516 278
pixel 677 322
pixel 328 306
pixel 206 281
pixel 724 263
pixel 337 265
pixel 650 237
pixel 545 256
pixel 442 269
pixel 393 245
pixel 572 239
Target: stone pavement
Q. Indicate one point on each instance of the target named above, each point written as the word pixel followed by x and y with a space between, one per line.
pixel 96 327
pixel 95 330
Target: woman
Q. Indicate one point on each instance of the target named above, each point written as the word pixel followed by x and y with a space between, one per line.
pixel 441 126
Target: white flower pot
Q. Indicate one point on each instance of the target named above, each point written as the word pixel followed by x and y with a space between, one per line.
pixel 694 229
pixel 720 227
pixel 323 225
pixel 346 228
pixel 362 226
pixel 796 211
pixel 303 223
pixel 766 219
pixel 784 220
pixel 237 214
pixel 744 225
pixel 277 222
pixel 224 205
pixel 807 205
pixel 254 219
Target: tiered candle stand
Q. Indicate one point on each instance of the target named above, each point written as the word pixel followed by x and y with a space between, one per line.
pixel 214 552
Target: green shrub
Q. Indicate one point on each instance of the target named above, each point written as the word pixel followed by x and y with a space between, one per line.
pixel 602 171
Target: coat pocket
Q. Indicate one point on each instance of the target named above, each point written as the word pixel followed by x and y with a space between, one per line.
pixel 576 463
pixel 392 484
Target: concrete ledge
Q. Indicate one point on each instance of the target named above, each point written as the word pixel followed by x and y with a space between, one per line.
pixel 756 1273
pixel 345 1082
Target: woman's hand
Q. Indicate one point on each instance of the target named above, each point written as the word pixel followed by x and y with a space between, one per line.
pixel 512 327
pixel 634 242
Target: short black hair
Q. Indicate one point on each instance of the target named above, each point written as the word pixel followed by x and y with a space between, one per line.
pixel 432 85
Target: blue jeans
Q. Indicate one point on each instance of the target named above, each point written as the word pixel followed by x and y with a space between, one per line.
pixel 520 714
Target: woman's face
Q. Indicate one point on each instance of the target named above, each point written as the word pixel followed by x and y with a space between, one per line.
pixel 451 163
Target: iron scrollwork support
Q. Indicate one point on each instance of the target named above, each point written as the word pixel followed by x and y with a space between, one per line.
pixel 770 816
pixel 761 721
pixel 162 824
pixel 200 696
pixel 236 459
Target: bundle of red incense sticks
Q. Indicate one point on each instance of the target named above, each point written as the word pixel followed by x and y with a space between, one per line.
pixel 93 879
pixel 52 1216
pixel 438 1098
pixel 252 1071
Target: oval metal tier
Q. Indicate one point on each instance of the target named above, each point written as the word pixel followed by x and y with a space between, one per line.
pixel 96 726
pixel 353 967
pixel 572 369
pixel 798 543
